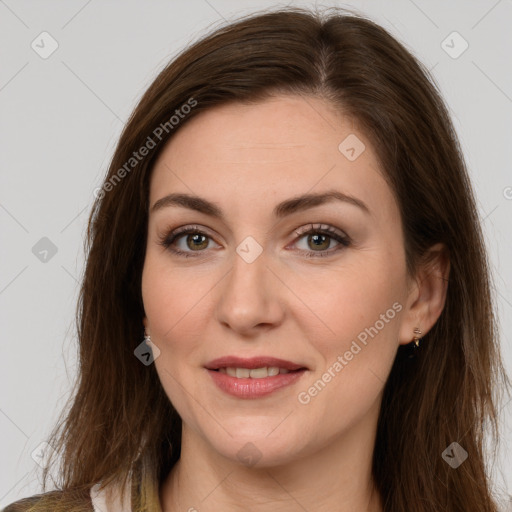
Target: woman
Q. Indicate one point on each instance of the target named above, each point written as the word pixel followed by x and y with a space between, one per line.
pixel 289 226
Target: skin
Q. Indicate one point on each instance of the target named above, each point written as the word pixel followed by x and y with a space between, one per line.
pixel 246 159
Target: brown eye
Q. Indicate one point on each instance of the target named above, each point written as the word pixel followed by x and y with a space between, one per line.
pixel 318 240
pixel 195 239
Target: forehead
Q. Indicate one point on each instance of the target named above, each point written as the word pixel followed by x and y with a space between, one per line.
pixel 277 148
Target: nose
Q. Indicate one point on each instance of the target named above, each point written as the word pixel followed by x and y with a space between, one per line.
pixel 251 297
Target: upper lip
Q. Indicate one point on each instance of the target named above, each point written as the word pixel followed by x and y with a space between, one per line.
pixel 251 363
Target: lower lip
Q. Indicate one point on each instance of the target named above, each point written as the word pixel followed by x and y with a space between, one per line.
pixel 253 388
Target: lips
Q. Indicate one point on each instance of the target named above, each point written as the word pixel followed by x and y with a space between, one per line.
pixel 254 377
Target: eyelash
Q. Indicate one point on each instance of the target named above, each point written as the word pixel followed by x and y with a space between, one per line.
pixel 344 241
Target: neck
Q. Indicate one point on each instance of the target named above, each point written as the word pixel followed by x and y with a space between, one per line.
pixel 337 478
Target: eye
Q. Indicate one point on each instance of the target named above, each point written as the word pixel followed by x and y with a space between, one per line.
pixel 196 240
pixel 320 237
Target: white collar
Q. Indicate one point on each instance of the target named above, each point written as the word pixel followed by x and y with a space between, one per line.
pixel 109 498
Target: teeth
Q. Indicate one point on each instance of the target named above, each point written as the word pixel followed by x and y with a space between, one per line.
pixel 256 373
pixel 242 373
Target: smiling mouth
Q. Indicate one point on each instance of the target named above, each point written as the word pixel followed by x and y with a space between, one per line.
pixel 253 377
pixel 255 373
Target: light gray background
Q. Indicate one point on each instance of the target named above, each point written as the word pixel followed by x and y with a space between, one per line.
pixel 61 117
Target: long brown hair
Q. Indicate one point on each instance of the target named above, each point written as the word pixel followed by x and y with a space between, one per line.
pixel 120 420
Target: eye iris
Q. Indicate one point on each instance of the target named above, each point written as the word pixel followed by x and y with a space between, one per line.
pixel 195 237
pixel 317 238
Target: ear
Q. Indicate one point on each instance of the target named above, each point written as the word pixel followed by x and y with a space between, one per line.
pixel 427 294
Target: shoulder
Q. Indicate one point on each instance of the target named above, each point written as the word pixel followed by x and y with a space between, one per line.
pixel 50 501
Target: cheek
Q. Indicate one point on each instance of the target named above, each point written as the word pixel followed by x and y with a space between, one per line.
pixel 344 303
pixel 356 340
pixel 177 304
pixel 170 296
pixel 171 304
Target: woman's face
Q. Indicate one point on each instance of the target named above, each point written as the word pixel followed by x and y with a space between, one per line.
pixel 254 284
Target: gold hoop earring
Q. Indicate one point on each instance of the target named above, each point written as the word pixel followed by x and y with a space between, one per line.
pixel 417 337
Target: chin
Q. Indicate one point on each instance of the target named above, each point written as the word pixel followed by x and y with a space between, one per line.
pixel 257 450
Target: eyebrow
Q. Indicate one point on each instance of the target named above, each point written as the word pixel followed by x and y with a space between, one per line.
pixel 283 209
